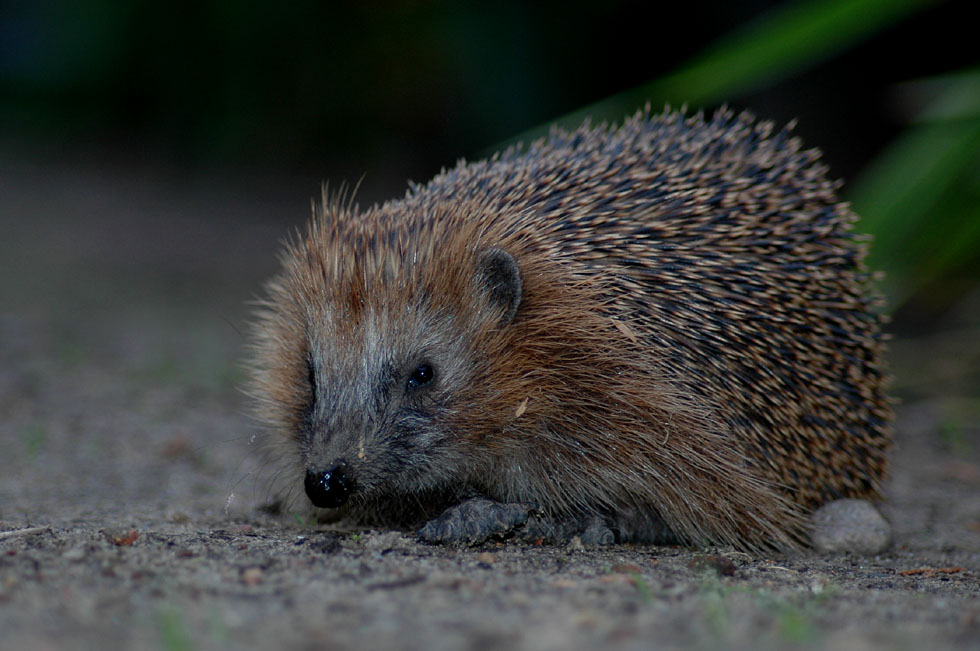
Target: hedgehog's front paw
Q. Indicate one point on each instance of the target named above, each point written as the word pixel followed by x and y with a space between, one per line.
pixel 474 520
pixel 597 532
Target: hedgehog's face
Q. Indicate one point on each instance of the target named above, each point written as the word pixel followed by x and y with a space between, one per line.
pixel 383 389
pixel 374 419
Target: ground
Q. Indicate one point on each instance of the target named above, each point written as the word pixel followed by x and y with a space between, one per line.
pixel 125 453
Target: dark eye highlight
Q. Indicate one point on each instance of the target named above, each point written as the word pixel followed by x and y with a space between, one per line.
pixel 420 376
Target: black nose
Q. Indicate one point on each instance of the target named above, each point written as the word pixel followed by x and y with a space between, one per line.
pixel 328 489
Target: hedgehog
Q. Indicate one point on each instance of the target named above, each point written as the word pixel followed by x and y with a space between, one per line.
pixel 662 331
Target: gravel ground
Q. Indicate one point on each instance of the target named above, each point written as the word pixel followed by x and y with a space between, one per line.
pixel 130 497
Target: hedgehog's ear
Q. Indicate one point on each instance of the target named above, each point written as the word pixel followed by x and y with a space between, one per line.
pixel 499 279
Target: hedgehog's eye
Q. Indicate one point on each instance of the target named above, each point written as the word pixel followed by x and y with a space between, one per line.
pixel 420 376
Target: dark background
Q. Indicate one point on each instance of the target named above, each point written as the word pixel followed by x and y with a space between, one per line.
pixel 392 90
pixel 280 97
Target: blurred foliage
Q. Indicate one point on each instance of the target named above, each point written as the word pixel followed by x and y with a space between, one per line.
pixel 409 85
pixel 782 42
pixel 921 196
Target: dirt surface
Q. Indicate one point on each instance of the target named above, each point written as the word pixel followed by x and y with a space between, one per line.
pixel 129 493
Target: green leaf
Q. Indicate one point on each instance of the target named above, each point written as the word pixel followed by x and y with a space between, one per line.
pixel 781 43
pixel 920 197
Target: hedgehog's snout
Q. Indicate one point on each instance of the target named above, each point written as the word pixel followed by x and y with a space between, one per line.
pixel 330 488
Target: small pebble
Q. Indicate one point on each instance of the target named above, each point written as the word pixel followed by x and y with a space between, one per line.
pixel 252 575
pixel 75 554
pixel 121 537
pixel 850 525
pixel 722 565
pixel 575 544
pixel 381 541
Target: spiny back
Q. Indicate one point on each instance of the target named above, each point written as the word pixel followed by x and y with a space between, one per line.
pixel 722 243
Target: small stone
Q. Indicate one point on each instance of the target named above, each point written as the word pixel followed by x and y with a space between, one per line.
pixel 327 543
pixel 850 525
pixel 121 537
pixel 75 554
pixel 252 575
pixel 383 541
pixel 722 565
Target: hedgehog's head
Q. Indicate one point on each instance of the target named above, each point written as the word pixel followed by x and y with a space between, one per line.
pixel 383 378
pixel 366 350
